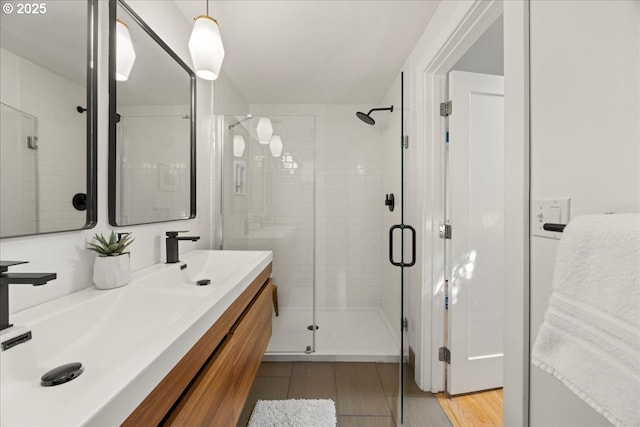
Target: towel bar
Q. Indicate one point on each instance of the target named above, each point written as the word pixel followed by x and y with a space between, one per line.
pixel 549 226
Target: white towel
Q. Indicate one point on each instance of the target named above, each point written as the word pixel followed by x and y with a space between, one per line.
pixel 590 337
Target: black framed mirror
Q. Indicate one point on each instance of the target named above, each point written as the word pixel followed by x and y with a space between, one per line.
pixel 152 146
pixel 48 123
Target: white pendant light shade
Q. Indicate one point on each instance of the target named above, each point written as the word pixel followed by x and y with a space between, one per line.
pixel 264 130
pixel 206 48
pixel 276 146
pixel 125 54
pixel 238 145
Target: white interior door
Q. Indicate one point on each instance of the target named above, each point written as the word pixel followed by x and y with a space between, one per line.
pixel 476 249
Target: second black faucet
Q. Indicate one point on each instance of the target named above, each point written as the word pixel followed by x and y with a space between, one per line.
pixel 172 239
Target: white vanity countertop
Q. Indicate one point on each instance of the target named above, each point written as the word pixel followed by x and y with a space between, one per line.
pixel 127 339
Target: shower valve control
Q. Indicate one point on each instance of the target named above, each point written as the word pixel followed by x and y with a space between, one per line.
pixel 389 201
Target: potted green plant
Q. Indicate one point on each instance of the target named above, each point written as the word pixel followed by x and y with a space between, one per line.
pixel 112 267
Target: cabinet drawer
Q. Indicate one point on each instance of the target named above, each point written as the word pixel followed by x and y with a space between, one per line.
pixel 251 337
pixel 209 401
pixel 217 395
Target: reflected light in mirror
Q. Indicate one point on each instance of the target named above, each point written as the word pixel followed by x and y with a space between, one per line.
pixel 264 130
pixel 238 145
pixel 205 46
pixel 125 54
pixel 276 146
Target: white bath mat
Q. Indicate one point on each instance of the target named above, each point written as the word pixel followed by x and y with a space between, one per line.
pixel 294 413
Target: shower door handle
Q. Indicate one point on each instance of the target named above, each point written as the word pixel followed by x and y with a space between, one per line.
pixel 402 227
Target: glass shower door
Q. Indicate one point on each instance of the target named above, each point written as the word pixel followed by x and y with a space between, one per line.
pixel 268 204
pixel 402 254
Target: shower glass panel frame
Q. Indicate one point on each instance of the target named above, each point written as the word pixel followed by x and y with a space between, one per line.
pixel 20 176
pixel 268 203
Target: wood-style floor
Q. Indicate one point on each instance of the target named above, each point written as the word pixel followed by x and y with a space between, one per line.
pixel 365 393
pixel 474 409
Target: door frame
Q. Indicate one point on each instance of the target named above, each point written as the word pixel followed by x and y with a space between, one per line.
pixel 465 23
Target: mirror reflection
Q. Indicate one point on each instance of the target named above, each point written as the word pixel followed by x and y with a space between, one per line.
pixel 152 127
pixel 47 117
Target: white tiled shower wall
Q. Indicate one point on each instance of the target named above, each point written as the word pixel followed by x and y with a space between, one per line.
pixel 348 204
pixel 150 186
pixel 52 99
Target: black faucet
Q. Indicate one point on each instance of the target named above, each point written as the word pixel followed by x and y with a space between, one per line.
pixel 6 279
pixel 172 245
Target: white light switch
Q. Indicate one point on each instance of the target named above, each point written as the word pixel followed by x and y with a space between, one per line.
pixel 555 215
pixel 549 210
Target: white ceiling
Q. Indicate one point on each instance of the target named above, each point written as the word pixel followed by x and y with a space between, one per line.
pixel 315 52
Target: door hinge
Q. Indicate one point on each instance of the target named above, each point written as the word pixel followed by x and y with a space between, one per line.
pixel 446 108
pixel 445 231
pixel 405 324
pixel 406 141
pixel 444 355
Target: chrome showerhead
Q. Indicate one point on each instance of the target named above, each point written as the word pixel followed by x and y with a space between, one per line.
pixel 367 117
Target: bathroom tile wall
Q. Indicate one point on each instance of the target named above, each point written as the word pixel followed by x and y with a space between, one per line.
pixel 269 204
pixel 52 99
pixel 347 162
pixel 148 184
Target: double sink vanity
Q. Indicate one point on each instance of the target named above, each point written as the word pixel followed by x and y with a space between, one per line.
pixel 158 350
pixel 162 349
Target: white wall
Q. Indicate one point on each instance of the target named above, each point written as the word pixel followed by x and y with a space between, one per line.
pixel 65 253
pixel 450 27
pixel 585 115
pixel 228 97
pixel 486 56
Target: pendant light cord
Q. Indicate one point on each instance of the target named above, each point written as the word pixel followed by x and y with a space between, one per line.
pixel 207 7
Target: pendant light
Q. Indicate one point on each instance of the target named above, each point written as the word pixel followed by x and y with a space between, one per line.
pixel 205 45
pixel 264 130
pixel 238 145
pixel 276 146
pixel 125 53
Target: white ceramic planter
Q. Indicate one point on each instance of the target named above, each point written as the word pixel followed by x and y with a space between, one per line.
pixel 111 271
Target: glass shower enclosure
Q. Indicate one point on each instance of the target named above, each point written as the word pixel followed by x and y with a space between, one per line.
pixel 268 204
pixel 317 200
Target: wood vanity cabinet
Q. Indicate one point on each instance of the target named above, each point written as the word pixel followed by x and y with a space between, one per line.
pixel 210 384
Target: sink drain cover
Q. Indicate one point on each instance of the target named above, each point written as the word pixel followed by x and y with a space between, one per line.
pixel 61 374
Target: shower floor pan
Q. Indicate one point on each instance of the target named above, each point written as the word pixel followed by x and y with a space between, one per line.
pixel 343 335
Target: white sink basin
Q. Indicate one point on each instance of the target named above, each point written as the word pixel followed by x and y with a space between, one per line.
pixel 127 339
